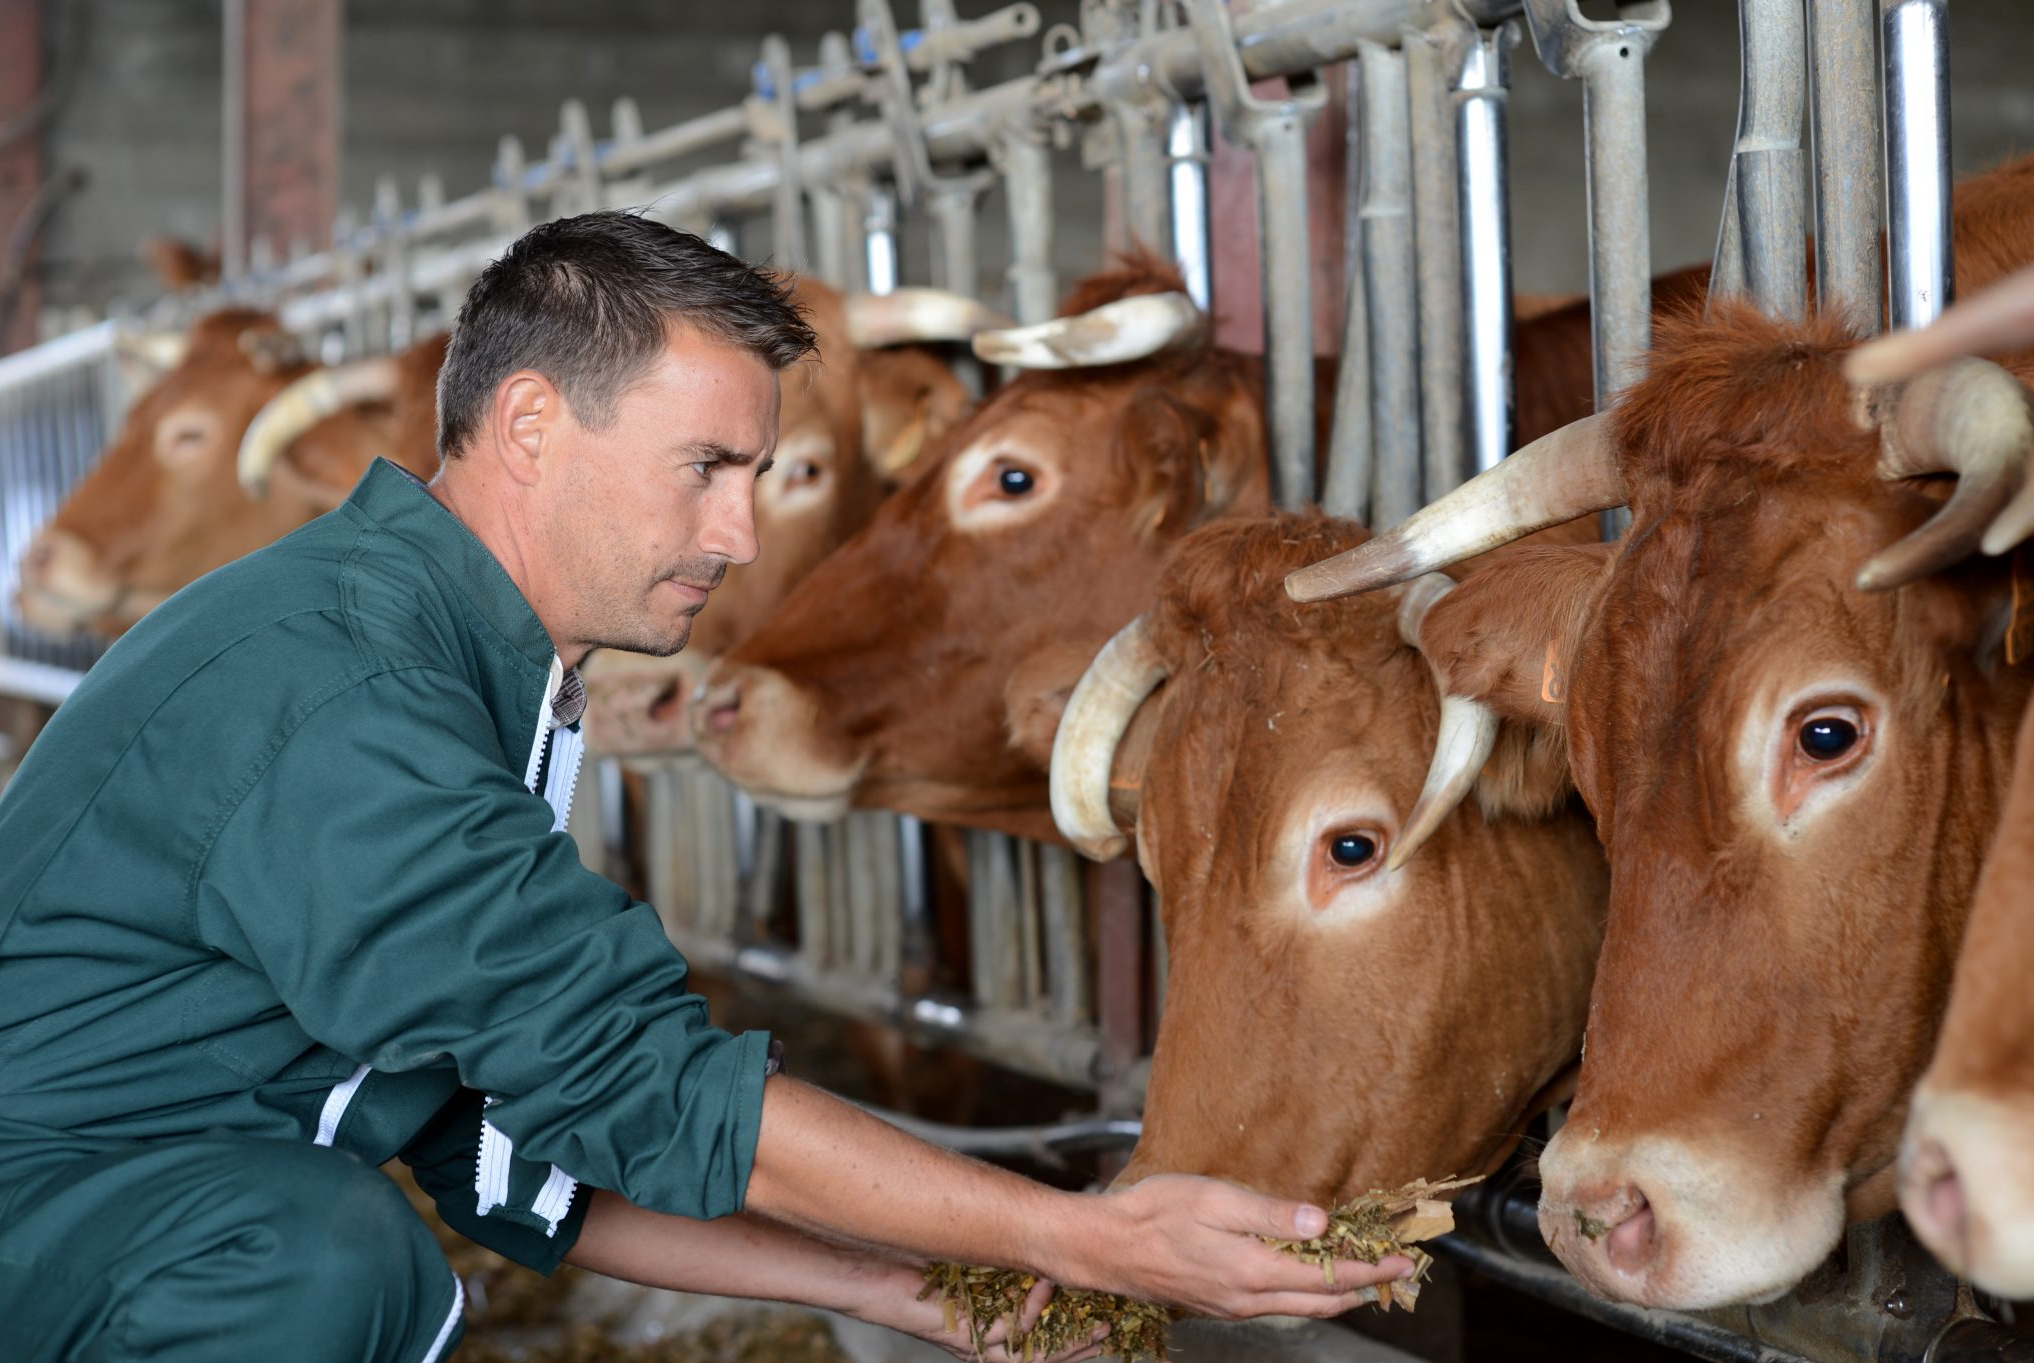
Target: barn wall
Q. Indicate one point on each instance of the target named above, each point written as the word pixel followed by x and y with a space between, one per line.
pixel 429 85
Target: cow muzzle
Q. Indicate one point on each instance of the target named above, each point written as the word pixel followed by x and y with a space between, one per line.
pixel 1658 1222
pixel 764 732
pixel 65 589
pixel 640 706
pixel 1968 1189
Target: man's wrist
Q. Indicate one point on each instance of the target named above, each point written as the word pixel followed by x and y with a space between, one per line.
pixel 1076 1240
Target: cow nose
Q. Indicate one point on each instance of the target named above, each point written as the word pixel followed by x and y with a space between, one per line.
pixel 1933 1200
pixel 36 562
pixel 1617 1224
pixel 717 705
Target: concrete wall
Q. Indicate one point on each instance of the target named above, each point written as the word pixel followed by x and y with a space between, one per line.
pixel 430 85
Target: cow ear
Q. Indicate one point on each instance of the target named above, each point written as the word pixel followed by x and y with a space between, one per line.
pixel 1505 637
pixel 271 349
pixel 1166 447
pixel 909 398
pixel 322 465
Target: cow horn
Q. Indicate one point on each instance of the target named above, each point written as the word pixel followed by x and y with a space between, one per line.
pixel 1562 475
pixel 2000 318
pixel 904 315
pixel 1467 735
pixel 304 403
pixel 1096 717
pixel 158 350
pixel 1115 333
pixel 1970 418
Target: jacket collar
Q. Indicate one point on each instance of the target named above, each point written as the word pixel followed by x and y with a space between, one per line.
pixel 393 499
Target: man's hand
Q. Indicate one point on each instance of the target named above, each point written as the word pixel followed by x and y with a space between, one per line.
pixel 892 1300
pixel 1193 1243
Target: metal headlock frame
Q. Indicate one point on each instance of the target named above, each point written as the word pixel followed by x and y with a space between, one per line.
pixel 1423 400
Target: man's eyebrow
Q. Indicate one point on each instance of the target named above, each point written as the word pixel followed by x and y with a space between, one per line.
pixel 707 449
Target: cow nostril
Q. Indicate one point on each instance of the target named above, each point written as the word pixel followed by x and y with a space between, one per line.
pixel 38 558
pixel 667 703
pixel 1943 1215
pixel 719 706
pixel 1633 1242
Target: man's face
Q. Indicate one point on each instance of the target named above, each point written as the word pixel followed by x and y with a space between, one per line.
pixel 649 511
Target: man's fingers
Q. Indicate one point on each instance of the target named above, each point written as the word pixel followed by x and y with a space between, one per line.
pixel 1034 1305
pixel 1306 1304
pixel 2000 318
pixel 1273 1216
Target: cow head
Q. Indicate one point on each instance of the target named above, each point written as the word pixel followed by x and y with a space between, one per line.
pixel 1794 742
pixel 165 504
pixel 1334 1021
pixel 1966 1183
pixel 1031 534
pixel 854 419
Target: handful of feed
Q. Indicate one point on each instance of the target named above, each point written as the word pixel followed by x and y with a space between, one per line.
pixel 1372 1227
pixel 1377 1225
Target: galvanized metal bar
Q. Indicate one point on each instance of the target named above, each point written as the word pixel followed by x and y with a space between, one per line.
pixel 1026 162
pixel 1433 57
pixel 1482 92
pixel 1849 269
pixel 1346 488
pixel 1186 150
pixel 1922 274
pixel 787 215
pixel 1030 949
pixel 952 210
pixel 1390 269
pixel 1140 167
pixel 815 936
pixel 1115 897
pixel 1768 165
pixel 865 933
pixel 1066 938
pixel 839 911
pixel 1275 130
pixel 879 238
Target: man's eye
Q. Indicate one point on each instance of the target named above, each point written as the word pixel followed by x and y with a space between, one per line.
pixel 704 468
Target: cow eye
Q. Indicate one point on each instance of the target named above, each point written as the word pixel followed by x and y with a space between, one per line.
pixel 1350 850
pixel 1012 481
pixel 1828 737
pixel 802 471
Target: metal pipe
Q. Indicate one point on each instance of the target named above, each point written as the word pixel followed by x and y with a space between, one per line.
pixel 1849 272
pixel 1140 168
pixel 1281 146
pixel 1346 491
pixel 952 209
pixel 1433 59
pixel 1482 93
pixel 879 238
pixel 1620 222
pixel 233 118
pixel 1916 37
pixel 1389 269
pixel 1765 203
pixel 1186 149
pixel 1043 1144
pixel 1027 187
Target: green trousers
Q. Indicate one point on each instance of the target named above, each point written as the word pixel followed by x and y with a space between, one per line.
pixel 217 1250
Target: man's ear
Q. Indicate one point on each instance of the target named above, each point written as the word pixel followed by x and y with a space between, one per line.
pixel 1505 636
pixel 527 408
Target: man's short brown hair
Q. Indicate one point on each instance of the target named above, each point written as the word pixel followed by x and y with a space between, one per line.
pixel 588 302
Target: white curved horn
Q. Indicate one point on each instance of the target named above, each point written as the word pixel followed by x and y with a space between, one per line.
pixel 905 315
pixel 304 403
pixel 1468 732
pixel 1563 475
pixel 1115 333
pixel 1971 418
pixel 1096 717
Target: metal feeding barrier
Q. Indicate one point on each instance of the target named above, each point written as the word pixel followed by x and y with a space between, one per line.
pixel 819 167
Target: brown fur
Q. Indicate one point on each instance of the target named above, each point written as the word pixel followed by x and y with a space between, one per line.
pixel 1319 1059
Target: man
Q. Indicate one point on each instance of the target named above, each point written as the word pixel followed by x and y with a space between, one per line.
pixel 284 895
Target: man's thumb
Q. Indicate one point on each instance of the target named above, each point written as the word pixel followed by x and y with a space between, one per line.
pixel 1280 1219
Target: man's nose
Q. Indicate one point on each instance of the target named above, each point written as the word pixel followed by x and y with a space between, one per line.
pixel 731 527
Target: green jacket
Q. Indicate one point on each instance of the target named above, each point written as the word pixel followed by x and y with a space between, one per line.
pixel 278 867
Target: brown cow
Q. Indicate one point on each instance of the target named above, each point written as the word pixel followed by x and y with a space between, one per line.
pixel 922 668
pixel 1332 1023
pixel 1033 533
pixel 1795 742
pixel 853 422
pixel 1966 1182
pixel 164 504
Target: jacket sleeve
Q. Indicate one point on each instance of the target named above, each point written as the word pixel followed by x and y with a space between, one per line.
pixel 388 873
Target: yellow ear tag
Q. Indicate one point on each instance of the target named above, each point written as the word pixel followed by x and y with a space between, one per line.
pixel 2020 625
pixel 1553 686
